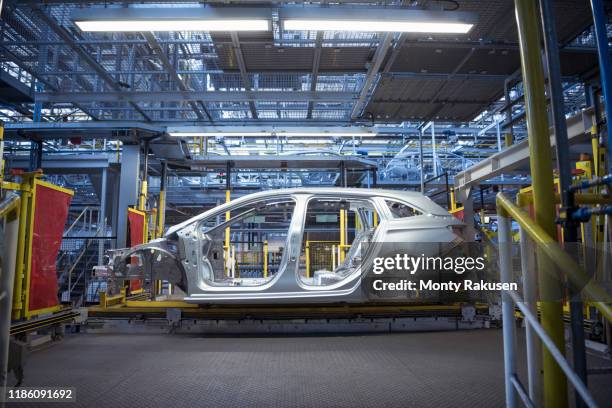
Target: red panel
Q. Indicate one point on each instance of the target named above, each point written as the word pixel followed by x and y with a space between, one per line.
pixel 136 227
pixel 458 215
pixel 50 214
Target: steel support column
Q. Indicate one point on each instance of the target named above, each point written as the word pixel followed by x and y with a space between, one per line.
pixel 102 216
pixel 161 205
pixel 605 65
pixel 128 189
pixel 372 75
pixel 421 161
pixel 565 179
pixel 555 384
pixel 36 154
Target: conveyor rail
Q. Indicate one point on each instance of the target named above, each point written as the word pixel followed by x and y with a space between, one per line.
pixel 159 309
pixel 43 321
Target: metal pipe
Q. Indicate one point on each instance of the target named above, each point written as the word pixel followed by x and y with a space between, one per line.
pixel 555 384
pixel 10 211
pixel 530 293
pixel 505 266
pixel 597 181
pixel 498 134
pixel 557 354
pixel 521 392
pixel 570 234
pixel 605 66
pixel 433 150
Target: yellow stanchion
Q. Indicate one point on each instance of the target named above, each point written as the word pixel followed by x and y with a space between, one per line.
pixel 342 236
pixel 307 250
pixel 555 384
pixel 227 232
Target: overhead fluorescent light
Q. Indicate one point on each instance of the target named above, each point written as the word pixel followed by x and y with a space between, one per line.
pixel 377 26
pixel 266 133
pixel 172 19
pixel 173 25
pixel 212 134
pixel 377 20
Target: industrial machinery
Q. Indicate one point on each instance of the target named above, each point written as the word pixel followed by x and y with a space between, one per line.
pixel 296 245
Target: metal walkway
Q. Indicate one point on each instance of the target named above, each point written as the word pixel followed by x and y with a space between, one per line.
pixel 443 369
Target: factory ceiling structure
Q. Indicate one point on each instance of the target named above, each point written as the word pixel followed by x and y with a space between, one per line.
pixel 273 76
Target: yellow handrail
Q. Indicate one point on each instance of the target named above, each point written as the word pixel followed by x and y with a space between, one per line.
pixel 559 257
pixel 10 203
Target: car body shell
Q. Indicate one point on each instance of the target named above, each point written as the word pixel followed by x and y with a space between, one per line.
pixel 434 224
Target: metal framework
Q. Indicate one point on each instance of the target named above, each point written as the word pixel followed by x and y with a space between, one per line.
pixel 282 75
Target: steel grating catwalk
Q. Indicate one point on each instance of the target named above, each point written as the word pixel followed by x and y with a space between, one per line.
pixel 443 369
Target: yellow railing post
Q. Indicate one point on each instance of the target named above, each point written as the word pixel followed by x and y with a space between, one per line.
pixel 142 204
pixel 227 231
pixel 555 384
pixel 265 259
pixel 26 188
pixel 307 250
pixel 161 214
pixel 342 236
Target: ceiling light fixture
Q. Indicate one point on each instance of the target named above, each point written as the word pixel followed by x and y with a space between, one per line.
pixel 172 19
pixel 267 134
pixel 377 20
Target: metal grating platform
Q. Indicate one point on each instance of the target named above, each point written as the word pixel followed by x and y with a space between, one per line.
pixel 450 369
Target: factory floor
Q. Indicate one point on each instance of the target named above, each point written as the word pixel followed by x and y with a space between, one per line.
pixel 437 369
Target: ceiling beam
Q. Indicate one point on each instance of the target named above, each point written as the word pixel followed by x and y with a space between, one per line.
pixel 316 63
pixel 243 71
pixel 209 96
pixel 377 60
pixel 427 101
pixel 33 70
pixel 84 55
pixel 436 95
pixel 157 49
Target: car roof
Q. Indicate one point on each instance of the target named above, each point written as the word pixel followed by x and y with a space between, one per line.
pixel 413 198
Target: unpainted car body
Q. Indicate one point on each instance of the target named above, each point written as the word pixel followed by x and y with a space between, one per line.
pixel 304 259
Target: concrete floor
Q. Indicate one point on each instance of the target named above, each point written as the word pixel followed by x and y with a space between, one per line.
pixel 443 369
